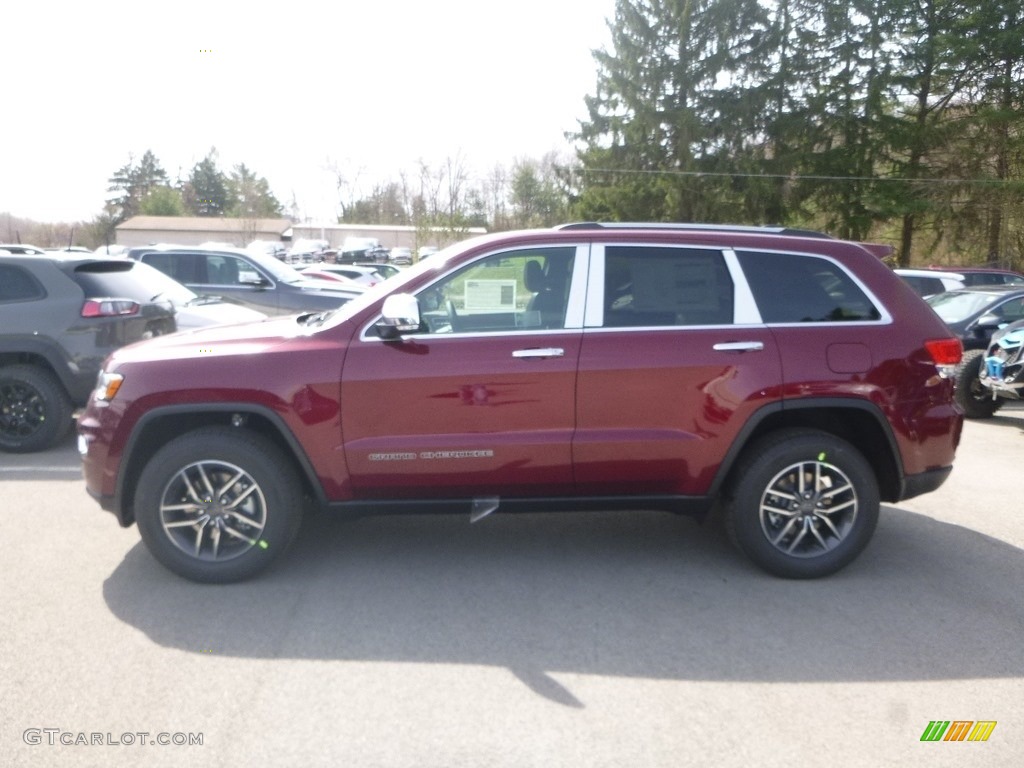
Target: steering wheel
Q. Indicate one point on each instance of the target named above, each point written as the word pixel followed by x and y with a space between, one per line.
pixel 453 316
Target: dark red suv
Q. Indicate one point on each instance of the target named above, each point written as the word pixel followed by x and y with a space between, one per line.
pixel 794 378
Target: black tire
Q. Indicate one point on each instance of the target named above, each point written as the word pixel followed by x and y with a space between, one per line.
pixel 801 503
pixel 35 411
pixel 250 519
pixel 973 397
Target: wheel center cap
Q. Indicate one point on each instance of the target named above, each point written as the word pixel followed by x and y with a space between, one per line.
pixel 213 508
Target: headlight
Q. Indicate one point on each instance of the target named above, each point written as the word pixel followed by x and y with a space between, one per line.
pixel 107 385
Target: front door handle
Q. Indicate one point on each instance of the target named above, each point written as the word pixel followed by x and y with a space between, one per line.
pixel 739 346
pixel 543 352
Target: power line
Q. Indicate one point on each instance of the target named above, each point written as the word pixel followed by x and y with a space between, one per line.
pixel 789 177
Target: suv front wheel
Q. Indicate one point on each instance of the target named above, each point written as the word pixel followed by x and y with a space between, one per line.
pixel 218 504
pixel 802 503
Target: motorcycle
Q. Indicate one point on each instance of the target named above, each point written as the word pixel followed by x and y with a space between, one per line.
pixel 1002 371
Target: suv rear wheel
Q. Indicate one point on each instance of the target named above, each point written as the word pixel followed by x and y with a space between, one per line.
pixel 218 504
pixel 804 503
pixel 35 411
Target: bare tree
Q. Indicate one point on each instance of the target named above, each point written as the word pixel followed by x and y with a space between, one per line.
pixel 347 177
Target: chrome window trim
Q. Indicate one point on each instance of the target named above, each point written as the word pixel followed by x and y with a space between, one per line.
pixel 744 308
pixel 885 318
pixel 574 313
pixel 594 320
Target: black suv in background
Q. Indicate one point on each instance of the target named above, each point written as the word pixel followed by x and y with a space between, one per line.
pixel 253 279
pixel 59 319
pixel 361 249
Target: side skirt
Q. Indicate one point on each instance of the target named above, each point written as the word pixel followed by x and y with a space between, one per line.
pixel 697 506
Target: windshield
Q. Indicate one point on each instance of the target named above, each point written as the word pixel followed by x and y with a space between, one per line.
pixel 280 271
pixel 955 307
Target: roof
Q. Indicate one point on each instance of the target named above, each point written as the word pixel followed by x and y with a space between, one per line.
pixel 770 230
pixel 204 224
pixel 928 272
pixel 880 250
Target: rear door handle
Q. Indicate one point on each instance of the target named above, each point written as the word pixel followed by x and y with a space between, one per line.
pixel 739 346
pixel 544 352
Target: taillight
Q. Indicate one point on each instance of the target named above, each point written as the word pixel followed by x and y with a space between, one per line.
pixel 109 307
pixel 946 354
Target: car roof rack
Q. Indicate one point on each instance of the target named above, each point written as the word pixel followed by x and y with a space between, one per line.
pixel 764 230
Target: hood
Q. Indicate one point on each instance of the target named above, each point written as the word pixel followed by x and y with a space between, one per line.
pixel 190 317
pixel 220 340
pixel 327 287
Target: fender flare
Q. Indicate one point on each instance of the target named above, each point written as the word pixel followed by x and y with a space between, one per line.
pixel 745 435
pixel 142 427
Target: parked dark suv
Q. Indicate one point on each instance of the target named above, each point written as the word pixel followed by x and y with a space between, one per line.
pixel 59 318
pixel 795 379
pixel 251 279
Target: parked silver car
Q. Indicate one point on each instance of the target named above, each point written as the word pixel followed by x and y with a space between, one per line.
pixel 193 310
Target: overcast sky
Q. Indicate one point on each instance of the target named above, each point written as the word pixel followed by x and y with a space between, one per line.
pixel 287 88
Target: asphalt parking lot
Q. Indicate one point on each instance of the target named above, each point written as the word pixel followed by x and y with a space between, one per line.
pixel 629 640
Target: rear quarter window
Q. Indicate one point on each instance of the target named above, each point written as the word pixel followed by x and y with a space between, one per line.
pixel 18 284
pixel 114 279
pixel 797 288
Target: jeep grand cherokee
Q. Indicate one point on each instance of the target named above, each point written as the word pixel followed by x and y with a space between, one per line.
pixel 793 378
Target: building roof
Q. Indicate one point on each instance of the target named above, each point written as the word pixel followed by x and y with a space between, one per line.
pixel 204 224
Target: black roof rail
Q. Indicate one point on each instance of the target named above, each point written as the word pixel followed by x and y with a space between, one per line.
pixel 765 230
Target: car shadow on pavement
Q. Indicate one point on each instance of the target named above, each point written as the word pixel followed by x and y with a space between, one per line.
pixel 637 594
pixel 1007 419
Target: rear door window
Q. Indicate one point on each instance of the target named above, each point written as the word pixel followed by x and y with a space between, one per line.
pixel 666 286
pixel 183 267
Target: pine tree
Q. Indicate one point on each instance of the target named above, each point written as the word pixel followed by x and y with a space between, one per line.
pixel 134 183
pixel 206 192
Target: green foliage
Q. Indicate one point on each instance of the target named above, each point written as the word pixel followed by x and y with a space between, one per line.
pixel 163 201
pixel 206 192
pixel 535 198
pixel 132 184
pixel 144 188
pixel 848 117
pixel 251 196
pixel 384 205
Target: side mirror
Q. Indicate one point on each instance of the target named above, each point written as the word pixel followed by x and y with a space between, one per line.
pixel 400 314
pixel 988 321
